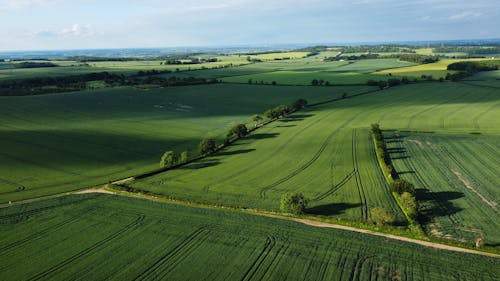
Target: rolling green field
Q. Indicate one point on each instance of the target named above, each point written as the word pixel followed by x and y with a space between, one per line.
pixel 325 151
pixel 60 142
pixel 458 198
pixel 95 237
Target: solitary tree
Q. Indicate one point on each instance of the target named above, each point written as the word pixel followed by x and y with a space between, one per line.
pixel 207 145
pixel 381 216
pixel 294 203
pixel 168 159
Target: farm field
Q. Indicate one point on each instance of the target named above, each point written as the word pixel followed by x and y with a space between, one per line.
pixel 459 199
pixel 325 151
pixel 96 236
pixel 437 69
pixel 60 142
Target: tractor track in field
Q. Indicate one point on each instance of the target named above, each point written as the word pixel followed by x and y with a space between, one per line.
pixel 52 270
pixel 357 176
pixel 41 233
pixel 411 119
pixel 268 247
pixel 335 187
pixel 456 110
pixel 356 270
pixel 176 255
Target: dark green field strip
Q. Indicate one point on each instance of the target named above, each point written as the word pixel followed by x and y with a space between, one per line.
pixel 130 239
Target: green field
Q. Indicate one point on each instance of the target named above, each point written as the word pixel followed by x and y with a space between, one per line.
pixel 96 237
pixel 60 142
pixel 459 198
pixel 326 153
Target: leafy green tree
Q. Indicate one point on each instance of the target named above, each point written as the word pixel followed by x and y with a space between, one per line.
pixel 410 204
pixel 299 104
pixel 294 203
pixel 239 131
pixel 257 119
pixel 381 216
pixel 168 159
pixel 207 145
pixel 401 185
pixel 315 82
pixel 184 157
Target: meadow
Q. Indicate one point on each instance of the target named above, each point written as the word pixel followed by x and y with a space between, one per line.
pixel 61 142
pixel 95 237
pixel 458 198
pixel 326 152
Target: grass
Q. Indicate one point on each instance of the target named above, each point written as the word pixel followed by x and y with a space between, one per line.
pixel 458 198
pixel 60 142
pixel 110 237
pixel 325 152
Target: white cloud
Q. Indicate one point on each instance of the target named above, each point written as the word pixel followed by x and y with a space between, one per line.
pixel 78 30
pixel 465 15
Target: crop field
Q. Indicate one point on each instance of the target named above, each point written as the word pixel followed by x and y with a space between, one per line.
pixel 95 237
pixel 303 77
pixel 325 152
pixel 459 198
pixel 437 69
pixel 60 142
pixel 273 56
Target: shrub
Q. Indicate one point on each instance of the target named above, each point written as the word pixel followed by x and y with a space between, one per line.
pixel 381 216
pixel 410 204
pixel 400 186
pixel 294 203
pixel 207 145
pixel 239 131
pixel 168 159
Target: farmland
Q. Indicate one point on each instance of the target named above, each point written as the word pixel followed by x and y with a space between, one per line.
pixel 335 165
pixel 459 198
pixel 119 132
pixel 109 237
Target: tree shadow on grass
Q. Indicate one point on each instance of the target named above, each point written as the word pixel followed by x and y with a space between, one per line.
pixel 331 209
pixel 295 117
pixel 202 164
pixel 234 152
pixel 286 126
pixel 262 136
pixel 437 204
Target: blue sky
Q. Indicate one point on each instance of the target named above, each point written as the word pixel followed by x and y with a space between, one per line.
pixel 77 24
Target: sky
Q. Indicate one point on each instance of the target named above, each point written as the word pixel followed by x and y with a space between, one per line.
pixel 84 24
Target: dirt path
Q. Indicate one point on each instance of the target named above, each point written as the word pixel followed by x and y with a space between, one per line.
pixel 303 221
pixel 390 236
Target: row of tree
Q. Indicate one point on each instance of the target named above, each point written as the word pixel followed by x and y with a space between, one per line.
pixel 417 58
pixel 405 190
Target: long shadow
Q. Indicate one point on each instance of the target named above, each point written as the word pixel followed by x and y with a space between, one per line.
pixel 295 117
pixel 331 209
pixel 262 136
pixel 286 126
pixel 437 204
pixel 234 152
pixel 202 164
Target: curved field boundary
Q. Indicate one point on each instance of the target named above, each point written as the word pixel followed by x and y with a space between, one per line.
pixel 50 271
pixel 389 236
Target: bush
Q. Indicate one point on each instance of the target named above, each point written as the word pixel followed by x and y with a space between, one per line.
pixel 400 186
pixel 381 216
pixel 184 157
pixel 299 104
pixel 207 145
pixel 410 204
pixel 168 159
pixel 239 131
pixel 294 203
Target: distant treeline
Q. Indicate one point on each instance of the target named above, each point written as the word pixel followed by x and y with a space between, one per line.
pixel 471 50
pixel 416 58
pixel 377 49
pixel 189 60
pixel 469 68
pixel 30 64
pixel 100 59
pixel 352 57
pixel 45 85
